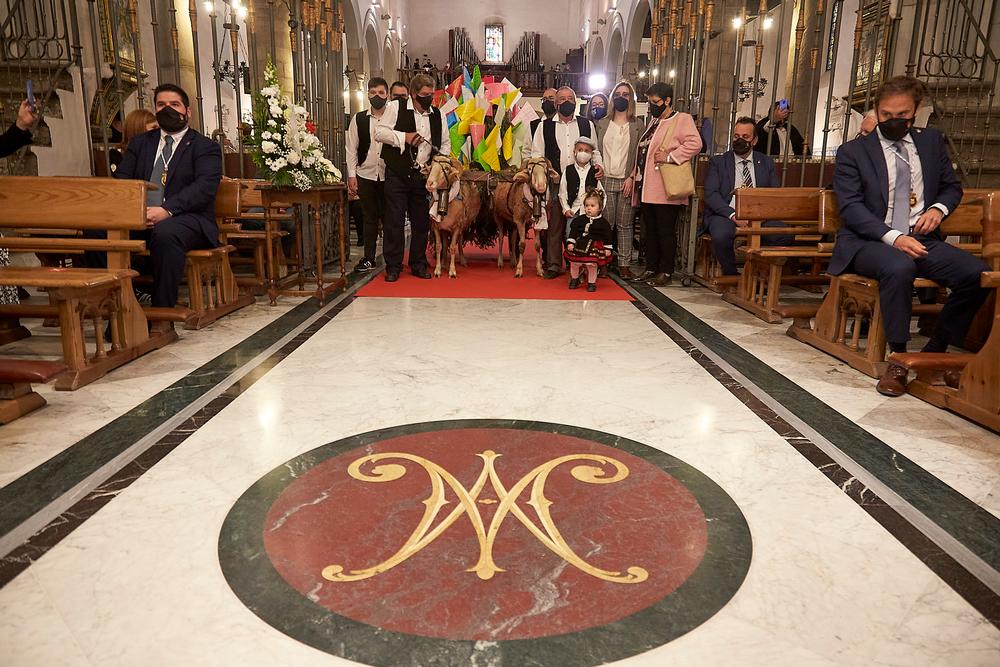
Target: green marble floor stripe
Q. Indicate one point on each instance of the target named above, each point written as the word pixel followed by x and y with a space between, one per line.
pixel 23 497
pixel 963 519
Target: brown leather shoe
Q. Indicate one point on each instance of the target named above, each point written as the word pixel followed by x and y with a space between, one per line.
pixel 643 277
pixel 953 378
pixel 893 381
pixel 659 280
pixel 625 273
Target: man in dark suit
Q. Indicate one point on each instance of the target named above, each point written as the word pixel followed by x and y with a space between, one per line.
pixel 741 167
pixel 186 167
pixel 19 132
pixel 894 187
pixel 774 132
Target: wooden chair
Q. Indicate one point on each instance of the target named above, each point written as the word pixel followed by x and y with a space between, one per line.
pixel 766 268
pixel 977 394
pixel 16 375
pixel 848 323
pixel 254 242
pixel 78 295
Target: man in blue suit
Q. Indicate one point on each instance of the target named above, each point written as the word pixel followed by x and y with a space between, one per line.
pixel 894 187
pixel 186 167
pixel 741 167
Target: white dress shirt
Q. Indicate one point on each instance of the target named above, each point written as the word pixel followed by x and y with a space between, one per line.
pixel 616 145
pixel 173 149
pixel 739 176
pixel 781 131
pixel 385 133
pixel 916 183
pixel 373 168
pixel 566 136
pixel 577 203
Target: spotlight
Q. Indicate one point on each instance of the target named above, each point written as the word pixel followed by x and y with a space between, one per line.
pixel 673 73
pixel 656 72
pixel 241 12
pixel 737 23
pixel 209 6
pixel 597 82
pixel 768 22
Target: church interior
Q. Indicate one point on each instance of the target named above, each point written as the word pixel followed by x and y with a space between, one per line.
pixel 431 333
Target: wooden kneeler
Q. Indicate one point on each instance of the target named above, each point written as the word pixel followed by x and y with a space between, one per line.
pixel 16 375
pixel 212 286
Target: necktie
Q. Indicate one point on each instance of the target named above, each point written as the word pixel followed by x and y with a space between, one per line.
pixel 901 193
pixel 747 178
pixel 159 175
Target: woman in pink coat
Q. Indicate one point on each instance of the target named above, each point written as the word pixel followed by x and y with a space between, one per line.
pixel 659 213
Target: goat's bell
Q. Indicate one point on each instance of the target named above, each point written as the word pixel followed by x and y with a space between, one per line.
pixel 536 210
pixel 442 202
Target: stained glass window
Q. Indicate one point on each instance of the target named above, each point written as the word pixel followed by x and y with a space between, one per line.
pixel 494 43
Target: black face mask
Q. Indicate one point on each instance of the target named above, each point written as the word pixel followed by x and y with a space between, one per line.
pixel 400 98
pixel 741 146
pixel 621 104
pixel 895 129
pixel 425 101
pixel 548 107
pixel 377 102
pixel 567 108
pixel 170 120
pixel 656 110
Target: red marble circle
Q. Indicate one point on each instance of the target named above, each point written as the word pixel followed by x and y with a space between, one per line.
pixel 326 517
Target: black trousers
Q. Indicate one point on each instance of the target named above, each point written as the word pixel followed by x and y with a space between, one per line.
pixel 372 194
pixel 723 233
pixel 168 243
pixel 659 233
pixel 895 271
pixel 405 194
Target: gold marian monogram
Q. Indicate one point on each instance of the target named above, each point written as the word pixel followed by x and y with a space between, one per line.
pixel 485 568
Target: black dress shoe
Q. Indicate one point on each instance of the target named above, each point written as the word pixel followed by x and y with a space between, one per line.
pixel 421 273
pixel 574 283
pixel 550 274
pixel 391 276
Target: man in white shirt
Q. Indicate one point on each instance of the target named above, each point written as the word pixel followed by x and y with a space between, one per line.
pixel 554 140
pixel 894 187
pixel 411 135
pixel 366 169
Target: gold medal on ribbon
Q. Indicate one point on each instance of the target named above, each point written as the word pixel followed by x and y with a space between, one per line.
pixel 163 182
pixel 913 198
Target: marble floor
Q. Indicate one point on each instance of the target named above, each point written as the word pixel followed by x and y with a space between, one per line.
pixel 180 511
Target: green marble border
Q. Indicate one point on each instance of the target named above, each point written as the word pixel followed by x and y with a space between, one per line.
pixel 976 528
pixel 25 496
pixel 258 585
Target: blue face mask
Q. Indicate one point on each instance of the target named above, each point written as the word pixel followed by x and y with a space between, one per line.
pixel 597 113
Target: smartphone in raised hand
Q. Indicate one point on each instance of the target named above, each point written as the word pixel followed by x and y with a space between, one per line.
pixel 31 96
pixel 783 105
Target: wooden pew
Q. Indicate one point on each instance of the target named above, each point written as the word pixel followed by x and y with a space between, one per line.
pixel 707 270
pixel 851 306
pixel 82 295
pixel 766 268
pixel 976 395
pixel 16 375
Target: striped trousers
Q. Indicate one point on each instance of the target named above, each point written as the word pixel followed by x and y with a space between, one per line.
pixel 620 214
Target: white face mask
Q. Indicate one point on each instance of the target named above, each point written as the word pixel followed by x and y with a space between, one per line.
pixel 583 157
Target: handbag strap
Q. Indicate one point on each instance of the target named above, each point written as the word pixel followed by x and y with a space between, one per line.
pixel 670 133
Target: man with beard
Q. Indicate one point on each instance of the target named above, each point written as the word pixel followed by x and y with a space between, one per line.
pixel 186 168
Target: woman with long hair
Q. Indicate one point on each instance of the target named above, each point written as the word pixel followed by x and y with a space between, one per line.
pixel 660 211
pixel 136 122
pixel 618 136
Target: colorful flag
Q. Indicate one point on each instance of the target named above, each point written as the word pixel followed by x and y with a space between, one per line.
pixel 486 152
pixel 477 80
pixel 508 144
pixel 466 77
pixel 455 87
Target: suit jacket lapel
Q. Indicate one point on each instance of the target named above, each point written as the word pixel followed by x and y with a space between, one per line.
pixel 759 171
pixel 185 142
pixel 873 146
pixel 730 171
pixel 926 162
pixel 148 155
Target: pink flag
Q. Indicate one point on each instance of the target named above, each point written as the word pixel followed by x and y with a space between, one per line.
pixel 477 132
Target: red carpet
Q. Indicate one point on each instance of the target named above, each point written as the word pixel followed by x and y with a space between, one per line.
pixel 482 280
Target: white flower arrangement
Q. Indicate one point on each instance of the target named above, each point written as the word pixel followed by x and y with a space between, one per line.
pixel 285 147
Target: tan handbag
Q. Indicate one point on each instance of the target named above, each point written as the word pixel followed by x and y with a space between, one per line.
pixel 678 179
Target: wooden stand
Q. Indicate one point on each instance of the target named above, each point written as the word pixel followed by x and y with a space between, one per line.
pixel 314 199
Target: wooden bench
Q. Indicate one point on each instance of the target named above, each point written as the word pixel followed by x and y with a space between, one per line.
pixel 707 269
pixel 977 394
pixel 848 323
pixel 16 375
pixel 767 268
pixel 80 296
